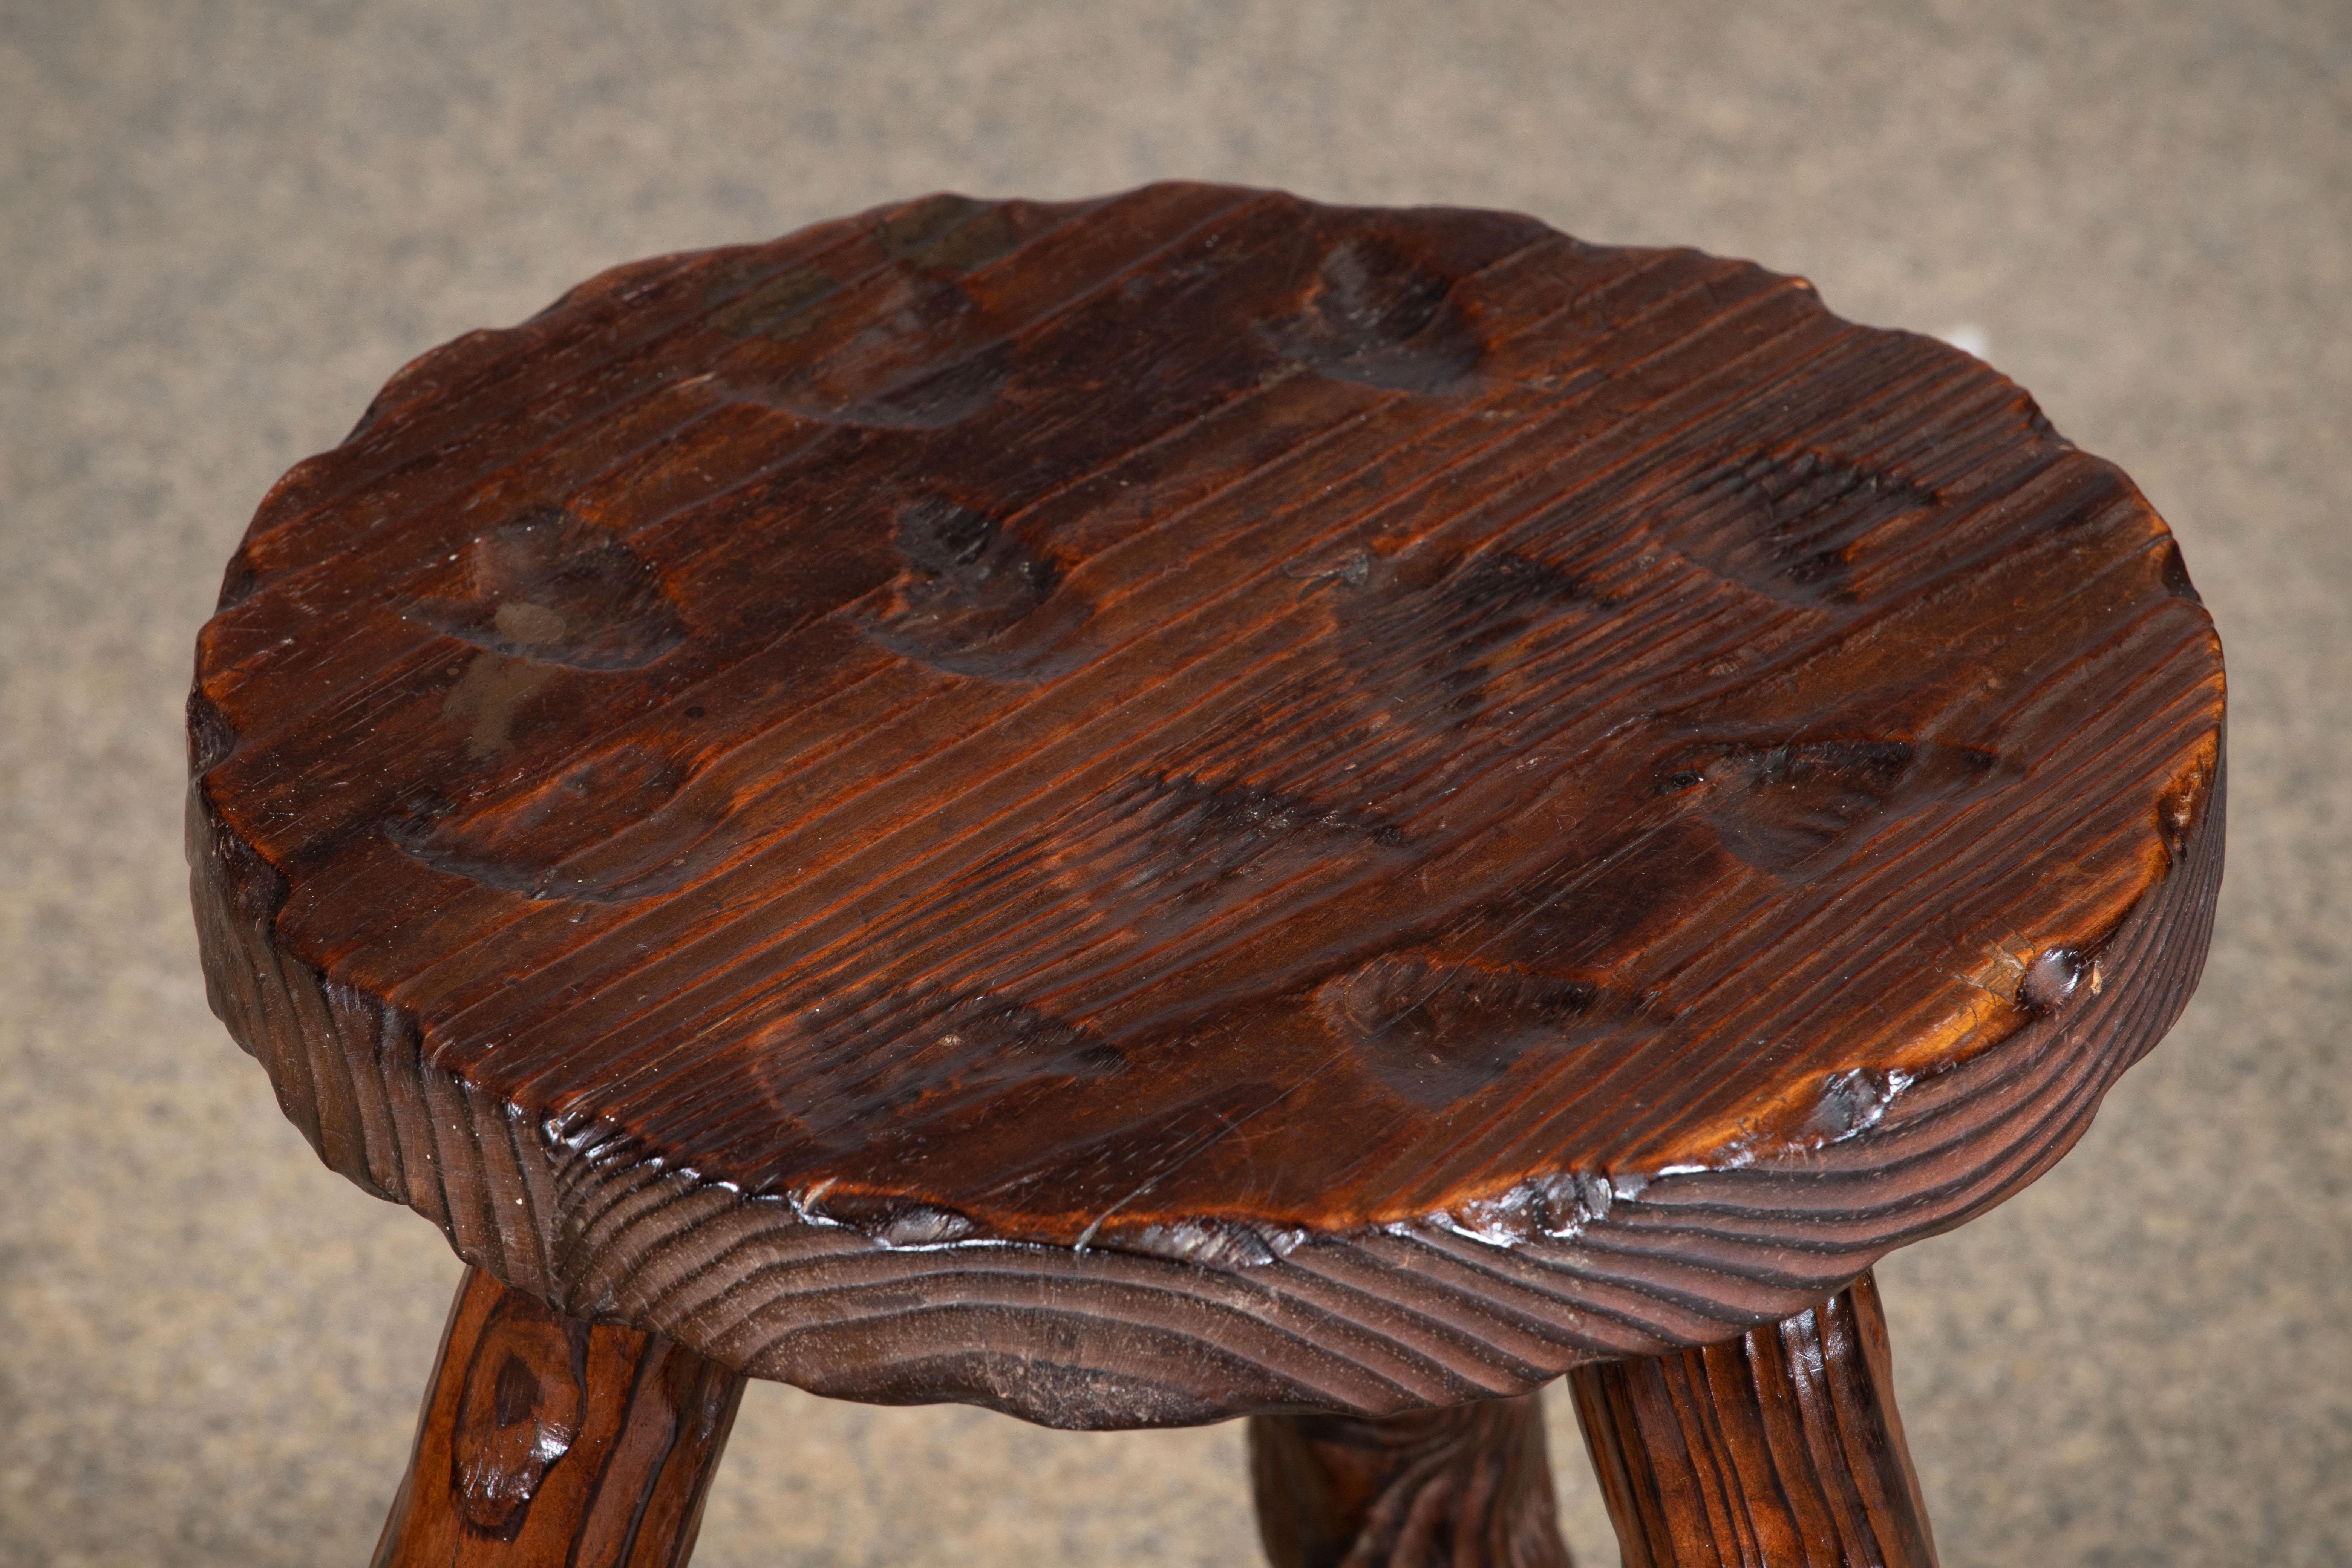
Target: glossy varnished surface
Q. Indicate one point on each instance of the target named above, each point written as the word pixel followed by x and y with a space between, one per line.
pixel 547 1443
pixel 1351 806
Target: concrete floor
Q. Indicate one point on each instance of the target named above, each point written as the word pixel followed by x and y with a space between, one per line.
pixel 223 224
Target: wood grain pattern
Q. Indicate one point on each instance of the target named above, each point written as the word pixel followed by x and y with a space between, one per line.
pixel 545 1443
pixel 1146 809
pixel 1467 1487
pixel 1779 1449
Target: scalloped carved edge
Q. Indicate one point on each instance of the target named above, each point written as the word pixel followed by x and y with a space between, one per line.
pixel 1405 1316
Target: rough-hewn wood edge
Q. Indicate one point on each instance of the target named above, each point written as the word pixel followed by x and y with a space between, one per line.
pixel 1230 1321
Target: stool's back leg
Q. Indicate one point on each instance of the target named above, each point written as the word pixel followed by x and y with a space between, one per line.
pixel 1465 1488
pixel 548 1441
pixel 1776 1451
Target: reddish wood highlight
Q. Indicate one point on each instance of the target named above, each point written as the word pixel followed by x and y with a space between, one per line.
pixel 1466 1487
pixel 1779 1449
pixel 1146 809
pixel 547 1443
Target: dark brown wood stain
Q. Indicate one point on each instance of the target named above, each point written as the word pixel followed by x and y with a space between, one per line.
pixel 1782 1446
pixel 548 1443
pixel 1469 1485
pixel 1144 809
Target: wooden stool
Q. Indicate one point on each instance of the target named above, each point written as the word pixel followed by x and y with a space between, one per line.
pixel 1193 805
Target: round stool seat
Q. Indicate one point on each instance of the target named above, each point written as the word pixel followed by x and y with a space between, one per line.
pixel 1141 810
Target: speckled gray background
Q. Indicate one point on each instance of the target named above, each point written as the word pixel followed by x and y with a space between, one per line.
pixel 223 224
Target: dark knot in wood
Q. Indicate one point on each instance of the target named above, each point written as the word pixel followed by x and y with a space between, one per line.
pixel 519 1412
pixel 549 1443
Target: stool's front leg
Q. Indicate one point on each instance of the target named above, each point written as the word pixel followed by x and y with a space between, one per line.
pixel 1465 1488
pixel 1781 1449
pixel 547 1441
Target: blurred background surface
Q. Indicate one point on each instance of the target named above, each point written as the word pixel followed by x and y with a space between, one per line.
pixel 222 225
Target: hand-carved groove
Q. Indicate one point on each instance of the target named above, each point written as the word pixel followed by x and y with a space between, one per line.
pixel 925 358
pixel 621 825
pixel 1780 1447
pixel 1439 659
pixel 552 588
pixel 975 599
pixel 1373 314
pixel 947 233
pixel 1441 1029
pixel 1787 522
pixel 211 737
pixel 781 307
pixel 1169 886
pixel 848 1065
pixel 936 398
pixel 1788 807
pixel 239 582
pixel 1212 832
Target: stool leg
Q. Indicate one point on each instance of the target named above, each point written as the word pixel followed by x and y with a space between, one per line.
pixel 1465 1488
pixel 1776 1451
pixel 548 1441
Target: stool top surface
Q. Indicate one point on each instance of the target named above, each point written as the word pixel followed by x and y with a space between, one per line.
pixel 1182 727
